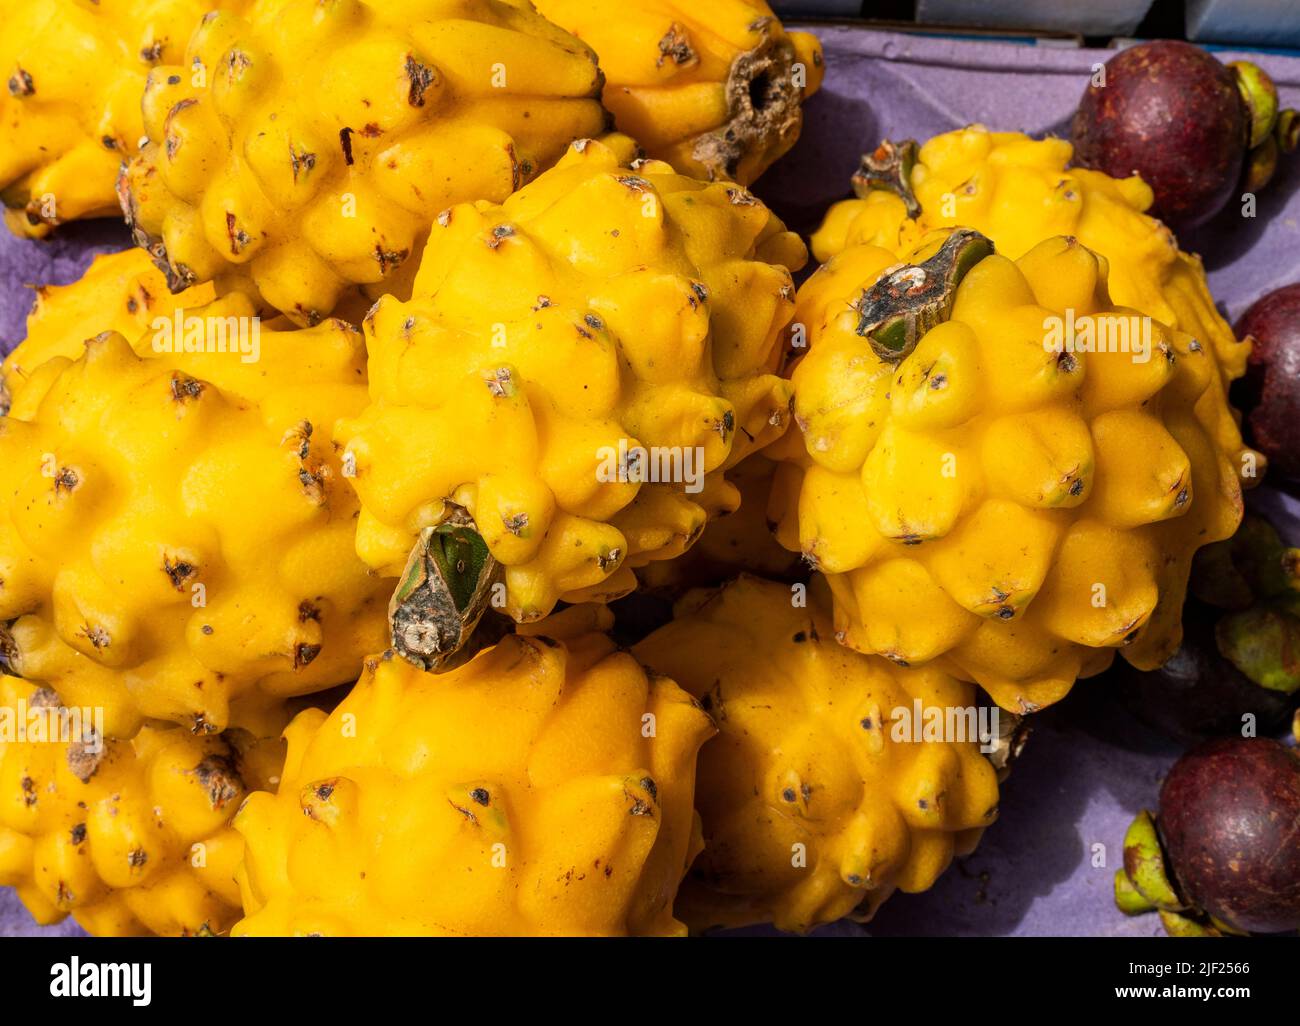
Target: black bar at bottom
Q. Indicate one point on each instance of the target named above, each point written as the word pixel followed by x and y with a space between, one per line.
pixel 889 981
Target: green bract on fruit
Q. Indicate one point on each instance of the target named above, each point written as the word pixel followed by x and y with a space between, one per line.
pixel 1255 577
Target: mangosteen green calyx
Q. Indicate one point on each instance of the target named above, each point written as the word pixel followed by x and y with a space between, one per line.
pixel 1255 577
pixel 1198 693
pixel 1239 659
pixel 1195 129
pixel 1223 853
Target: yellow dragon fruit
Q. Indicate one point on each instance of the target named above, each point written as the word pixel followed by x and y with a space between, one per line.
pixel 174 529
pixel 120 292
pixel 130 837
pixel 544 788
pixel 305 149
pixel 714 89
pixel 70 113
pixel 1001 468
pixel 823 792
pixel 560 399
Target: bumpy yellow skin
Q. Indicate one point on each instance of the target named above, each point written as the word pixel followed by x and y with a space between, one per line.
pixel 716 89
pixel 120 292
pixel 737 542
pixel 814 808
pixel 129 837
pixel 174 529
pixel 601 304
pixel 1016 512
pixel 70 111
pixel 544 788
pixel 305 149
pixel 1018 191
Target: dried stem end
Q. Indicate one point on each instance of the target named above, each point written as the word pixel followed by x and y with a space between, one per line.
pixel 763 105
pixel 442 593
pixel 889 167
pixel 895 312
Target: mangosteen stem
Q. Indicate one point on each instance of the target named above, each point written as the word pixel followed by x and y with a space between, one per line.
pixel 1290 563
pixel 1178 925
pixel 1271 132
pixel 1261 642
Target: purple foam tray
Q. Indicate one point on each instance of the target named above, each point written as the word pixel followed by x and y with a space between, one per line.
pixel 1089 766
